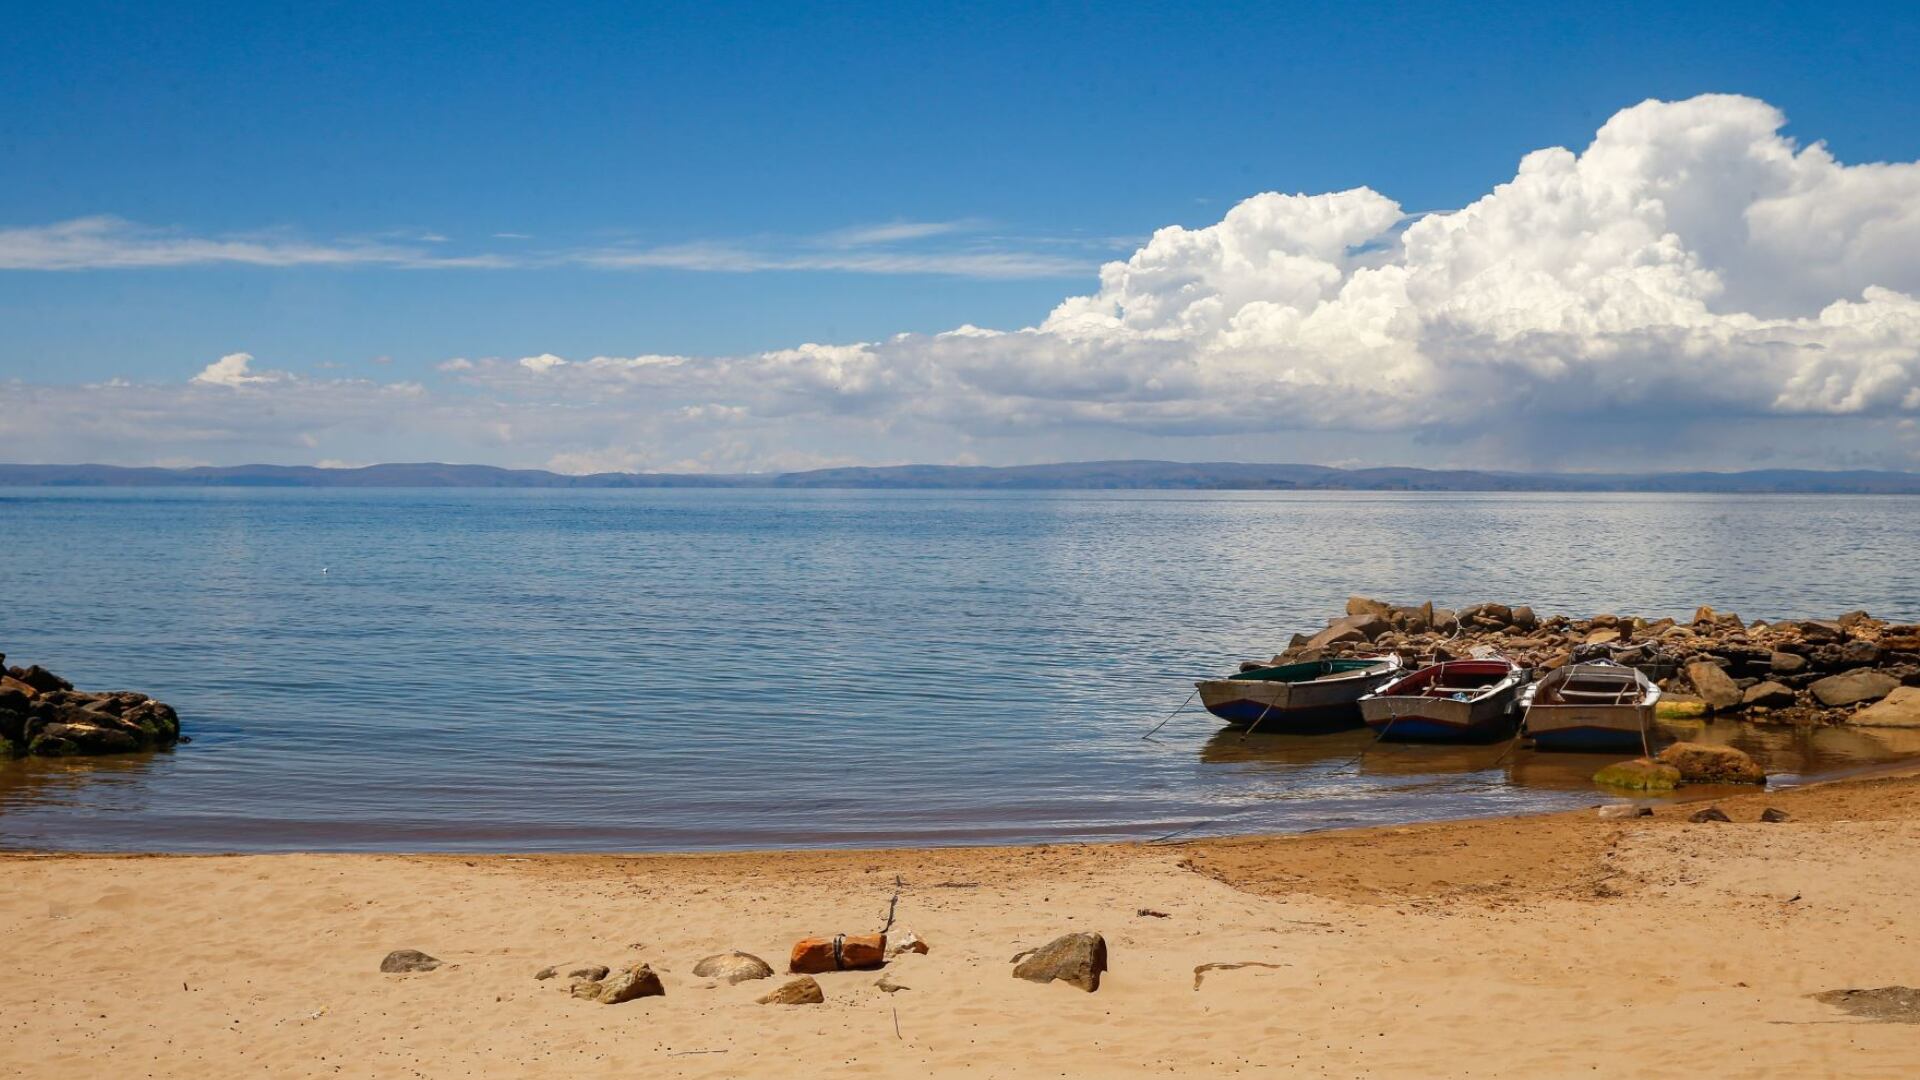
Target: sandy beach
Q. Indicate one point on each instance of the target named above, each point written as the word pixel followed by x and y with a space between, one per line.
pixel 1543 946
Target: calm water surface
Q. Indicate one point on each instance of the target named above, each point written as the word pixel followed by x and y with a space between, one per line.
pixel 530 670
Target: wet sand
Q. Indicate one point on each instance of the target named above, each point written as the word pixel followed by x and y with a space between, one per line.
pixel 1525 947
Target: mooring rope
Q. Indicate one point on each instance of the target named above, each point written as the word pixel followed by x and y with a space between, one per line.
pixel 1174 713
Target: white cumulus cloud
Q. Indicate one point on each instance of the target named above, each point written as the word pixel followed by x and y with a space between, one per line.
pixel 1691 287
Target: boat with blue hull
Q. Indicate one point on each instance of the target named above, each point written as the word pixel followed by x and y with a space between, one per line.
pixel 1594 707
pixel 1455 701
pixel 1308 698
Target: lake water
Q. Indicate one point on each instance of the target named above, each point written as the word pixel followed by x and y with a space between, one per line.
pixel 629 670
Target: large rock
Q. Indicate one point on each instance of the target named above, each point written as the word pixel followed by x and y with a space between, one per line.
pixel 1768 695
pixel 733 967
pixel 1525 619
pixel 1713 684
pixel 1853 687
pixel 1786 663
pixel 403 961
pixel 1703 763
pixel 1075 959
pixel 1638 775
pixel 801 991
pixel 1901 708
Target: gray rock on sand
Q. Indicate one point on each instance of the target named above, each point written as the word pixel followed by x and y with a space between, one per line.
pixel 1711 813
pixel 804 990
pixel 1775 816
pixel 404 961
pixel 1853 687
pixel 1625 810
pixel 591 972
pixel 1075 959
pixel 733 967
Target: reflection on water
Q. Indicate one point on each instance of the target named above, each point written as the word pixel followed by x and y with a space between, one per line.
pixel 1414 773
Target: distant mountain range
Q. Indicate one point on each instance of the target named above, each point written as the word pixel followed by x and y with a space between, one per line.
pixel 1084 475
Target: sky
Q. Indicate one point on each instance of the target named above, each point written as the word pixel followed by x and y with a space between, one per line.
pixel 741 237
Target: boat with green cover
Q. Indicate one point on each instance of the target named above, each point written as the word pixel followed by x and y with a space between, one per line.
pixel 1307 698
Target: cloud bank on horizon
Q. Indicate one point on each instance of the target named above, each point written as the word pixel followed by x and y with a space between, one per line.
pixel 1692 288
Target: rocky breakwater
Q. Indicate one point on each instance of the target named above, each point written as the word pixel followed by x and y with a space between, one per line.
pixel 1850 669
pixel 41 714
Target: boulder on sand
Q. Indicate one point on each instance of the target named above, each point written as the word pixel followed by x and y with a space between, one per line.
pixel 845 952
pixel 1075 959
pixel 733 967
pixel 1853 687
pixel 1639 775
pixel 1703 763
pixel 801 991
pixel 403 961
pixel 1713 684
pixel 628 984
pixel 1901 708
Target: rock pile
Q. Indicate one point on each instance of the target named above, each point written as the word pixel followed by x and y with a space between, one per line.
pixel 43 715
pixel 1803 671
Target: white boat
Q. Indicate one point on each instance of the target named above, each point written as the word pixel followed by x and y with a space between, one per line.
pixel 1593 706
pixel 1308 698
pixel 1455 701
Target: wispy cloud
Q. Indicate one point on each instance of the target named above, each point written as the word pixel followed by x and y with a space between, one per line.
pixel 110 243
pixel 950 248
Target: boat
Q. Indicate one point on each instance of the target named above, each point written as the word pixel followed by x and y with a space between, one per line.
pixel 1593 706
pixel 1455 701
pixel 1308 698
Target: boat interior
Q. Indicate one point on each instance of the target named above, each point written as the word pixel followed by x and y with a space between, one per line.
pixel 1587 687
pixel 1446 680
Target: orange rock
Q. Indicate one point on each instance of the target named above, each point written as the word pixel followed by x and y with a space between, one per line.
pixel 845 952
pixel 8 682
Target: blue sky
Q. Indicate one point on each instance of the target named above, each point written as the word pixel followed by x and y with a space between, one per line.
pixel 430 182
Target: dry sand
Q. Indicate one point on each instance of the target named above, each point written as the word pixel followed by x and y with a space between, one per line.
pixel 1533 947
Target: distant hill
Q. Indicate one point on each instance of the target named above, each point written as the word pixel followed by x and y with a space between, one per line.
pixel 1083 475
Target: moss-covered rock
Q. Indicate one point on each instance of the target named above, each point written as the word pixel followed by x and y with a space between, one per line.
pixel 1639 774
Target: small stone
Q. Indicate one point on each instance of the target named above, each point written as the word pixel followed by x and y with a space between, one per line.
pixel 1075 959
pixel 402 961
pixel 1711 813
pixel 1639 775
pixel 1614 811
pixel 547 972
pixel 1603 637
pixel 1767 695
pixel 1786 663
pixel 1889 1004
pixel 1773 815
pixel 733 967
pixel 634 982
pixel 591 973
pixel 887 984
pixel 908 942
pixel 801 991
pixel 587 990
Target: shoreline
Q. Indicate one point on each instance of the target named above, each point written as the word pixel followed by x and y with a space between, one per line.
pixel 1400 950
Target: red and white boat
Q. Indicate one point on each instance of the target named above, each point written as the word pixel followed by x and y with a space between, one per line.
pixel 1456 701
